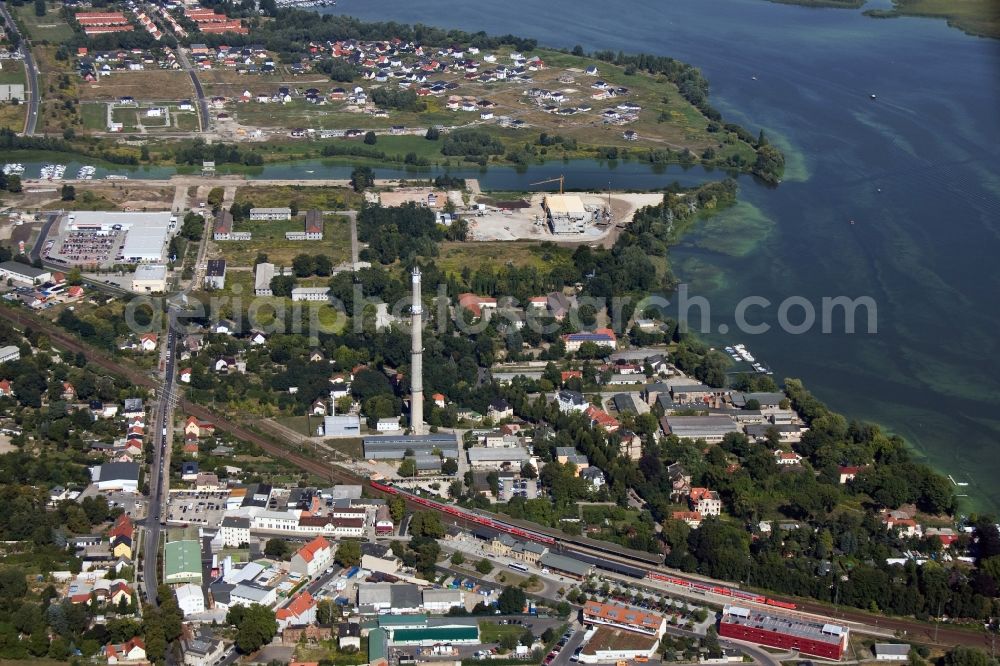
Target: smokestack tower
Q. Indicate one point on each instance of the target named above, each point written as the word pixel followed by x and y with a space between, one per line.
pixel 417 360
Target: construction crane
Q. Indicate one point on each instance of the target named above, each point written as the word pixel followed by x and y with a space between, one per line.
pixel 561 180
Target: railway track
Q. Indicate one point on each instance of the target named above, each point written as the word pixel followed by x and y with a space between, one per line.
pixel 913 630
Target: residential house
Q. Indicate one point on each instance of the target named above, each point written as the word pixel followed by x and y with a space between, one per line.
pixel 190 599
pixel 312 558
pixel 706 502
pixel 786 458
pixel 594 477
pixel 500 409
pixel 602 337
pixel 692 518
pixel 131 652
pixel 301 610
pixel 571 401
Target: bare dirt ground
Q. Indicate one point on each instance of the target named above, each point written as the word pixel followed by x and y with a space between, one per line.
pixel 145 85
pixel 529 223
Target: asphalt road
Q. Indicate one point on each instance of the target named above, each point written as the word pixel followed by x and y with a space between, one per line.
pixel 32 89
pixel 562 659
pixel 158 478
pixel 36 252
pixel 199 91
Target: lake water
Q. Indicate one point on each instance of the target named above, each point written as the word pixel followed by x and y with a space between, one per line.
pixel 917 170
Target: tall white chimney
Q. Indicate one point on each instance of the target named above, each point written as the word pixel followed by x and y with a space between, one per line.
pixel 417 360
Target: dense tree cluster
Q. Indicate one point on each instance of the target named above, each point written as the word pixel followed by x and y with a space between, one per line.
pixel 396 98
pixel 198 151
pixel 398 232
pixel 470 143
pixel 9 140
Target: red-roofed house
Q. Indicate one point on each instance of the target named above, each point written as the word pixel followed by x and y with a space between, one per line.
pixel 120 590
pixel 787 457
pixel 692 518
pixel 706 502
pixel 198 428
pixel 75 291
pixel 945 535
pixel 622 617
pixel 68 391
pixel 312 558
pixel 147 341
pixel 186 375
pixel 132 652
pixel 477 304
pixel 300 611
pixel 439 399
pixel 6 389
pixel 906 527
pixel 848 472
pixel 570 374
pixel 123 527
pixel 599 417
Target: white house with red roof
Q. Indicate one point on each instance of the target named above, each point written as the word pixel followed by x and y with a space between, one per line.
pixel 312 558
pixel 848 472
pixel 599 417
pixel 784 458
pixel 301 611
pixel 905 526
pixel 706 502
pixel 147 341
pixel 198 428
pixel 132 652
pixel 691 518
pixel 478 306
pixel 6 389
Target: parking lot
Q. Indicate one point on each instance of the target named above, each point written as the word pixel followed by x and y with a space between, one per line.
pixel 86 246
pixel 192 507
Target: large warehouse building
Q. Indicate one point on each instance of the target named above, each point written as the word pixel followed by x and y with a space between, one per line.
pixel 146 235
pixel 813 638
pixel 566 213
pixel 23 274
pixel 395 447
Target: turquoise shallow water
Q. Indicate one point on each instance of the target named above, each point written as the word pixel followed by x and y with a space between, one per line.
pixel 918 170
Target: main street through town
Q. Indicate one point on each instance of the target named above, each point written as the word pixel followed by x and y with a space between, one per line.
pixel 159 474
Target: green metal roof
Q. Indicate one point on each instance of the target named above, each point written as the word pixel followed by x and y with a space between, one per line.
pixel 181 559
pixel 389 620
pixel 378 645
pixel 436 634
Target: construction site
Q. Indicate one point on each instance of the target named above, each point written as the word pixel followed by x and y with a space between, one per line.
pixel 570 217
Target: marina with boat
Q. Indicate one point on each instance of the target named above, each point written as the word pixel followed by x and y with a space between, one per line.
pixel 740 354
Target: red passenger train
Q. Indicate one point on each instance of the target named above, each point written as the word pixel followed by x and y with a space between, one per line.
pixel 464 514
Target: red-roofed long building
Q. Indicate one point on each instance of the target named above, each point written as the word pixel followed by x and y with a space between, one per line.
pixel 813 638
pixel 629 619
